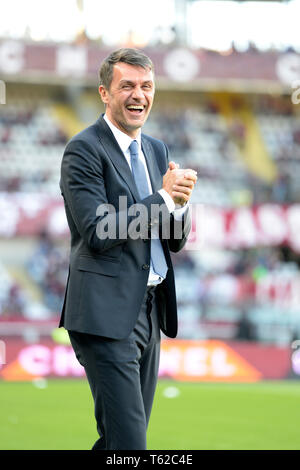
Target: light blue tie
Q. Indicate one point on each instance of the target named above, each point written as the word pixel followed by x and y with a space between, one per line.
pixel 138 170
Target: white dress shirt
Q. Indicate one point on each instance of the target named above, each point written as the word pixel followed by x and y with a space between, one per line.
pixel 124 142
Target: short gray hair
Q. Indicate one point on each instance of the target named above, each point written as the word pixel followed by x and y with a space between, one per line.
pixel 128 56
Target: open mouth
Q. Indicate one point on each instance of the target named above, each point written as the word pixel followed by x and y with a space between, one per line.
pixel 135 109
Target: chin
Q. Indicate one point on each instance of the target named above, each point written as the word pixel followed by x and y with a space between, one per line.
pixel 134 126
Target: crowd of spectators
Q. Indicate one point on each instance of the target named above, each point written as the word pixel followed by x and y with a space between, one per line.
pixel 48 267
pixel 180 130
pixel 13 301
pixel 17 144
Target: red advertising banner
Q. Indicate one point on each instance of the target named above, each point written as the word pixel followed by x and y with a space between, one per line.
pixel 183 360
pixel 245 227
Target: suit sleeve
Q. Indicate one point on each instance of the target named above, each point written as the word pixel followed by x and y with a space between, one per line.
pixel 83 187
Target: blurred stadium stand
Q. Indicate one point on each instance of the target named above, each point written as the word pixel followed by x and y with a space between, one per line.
pixel 245 146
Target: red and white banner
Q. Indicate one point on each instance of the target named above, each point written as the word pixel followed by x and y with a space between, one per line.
pixel 25 214
pixel 61 61
pixel 245 227
pixel 185 360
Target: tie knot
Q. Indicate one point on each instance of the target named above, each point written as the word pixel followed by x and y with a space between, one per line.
pixel 134 149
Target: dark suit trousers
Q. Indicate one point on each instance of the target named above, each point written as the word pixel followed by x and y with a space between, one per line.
pixel 123 375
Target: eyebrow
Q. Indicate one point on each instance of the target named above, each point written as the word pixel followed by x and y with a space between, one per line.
pixel 129 82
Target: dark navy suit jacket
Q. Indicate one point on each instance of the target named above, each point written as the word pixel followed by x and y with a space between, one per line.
pixel 108 277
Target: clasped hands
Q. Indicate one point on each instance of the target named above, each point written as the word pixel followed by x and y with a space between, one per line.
pixel 179 183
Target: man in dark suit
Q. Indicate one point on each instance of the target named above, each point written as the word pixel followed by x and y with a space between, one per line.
pixel 120 291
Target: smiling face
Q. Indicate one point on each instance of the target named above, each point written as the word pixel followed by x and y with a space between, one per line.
pixel 129 98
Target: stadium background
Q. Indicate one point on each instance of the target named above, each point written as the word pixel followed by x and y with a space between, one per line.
pixel 233 115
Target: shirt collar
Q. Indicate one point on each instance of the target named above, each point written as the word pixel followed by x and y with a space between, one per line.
pixel 123 139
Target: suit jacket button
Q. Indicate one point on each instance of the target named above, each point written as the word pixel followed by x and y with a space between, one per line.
pixel 145 266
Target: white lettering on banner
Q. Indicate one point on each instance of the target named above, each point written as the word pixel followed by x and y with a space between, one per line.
pixel 64 362
pixel 71 60
pixel 184 361
pixel 199 361
pixel 269 224
pixel 36 360
pixel 219 365
pixel 196 361
pixel 40 360
pixel 272 224
pixel 11 57
pixel 243 230
pixel 169 362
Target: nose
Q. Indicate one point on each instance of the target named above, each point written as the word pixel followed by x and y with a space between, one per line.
pixel 137 93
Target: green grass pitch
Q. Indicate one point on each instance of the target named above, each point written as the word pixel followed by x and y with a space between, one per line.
pixel 58 414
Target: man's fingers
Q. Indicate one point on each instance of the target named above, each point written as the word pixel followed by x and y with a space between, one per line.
pixel 180 196
pixel 185 182
pixel 182 189
pixel 185 173
pixel 191 176
pixel 173 166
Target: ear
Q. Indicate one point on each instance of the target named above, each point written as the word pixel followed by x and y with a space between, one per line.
pixel 103 93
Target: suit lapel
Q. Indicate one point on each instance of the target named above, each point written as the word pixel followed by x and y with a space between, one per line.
pixel 116 155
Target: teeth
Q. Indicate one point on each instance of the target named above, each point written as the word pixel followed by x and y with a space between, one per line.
pixel 135 107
